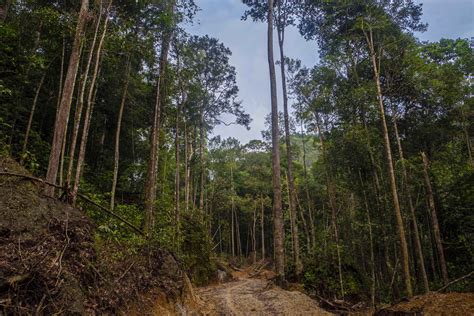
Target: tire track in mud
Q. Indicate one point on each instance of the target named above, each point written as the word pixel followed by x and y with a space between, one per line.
pixel 256 297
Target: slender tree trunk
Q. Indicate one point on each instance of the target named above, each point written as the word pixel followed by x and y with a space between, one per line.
pixel 289 157
pixel 434 220
pixel 418 247
pixel 60 87
pixel 80 102
pixel 232 211
pixel 308 197
pixel 66 99
pixel 372 256
pixel 89 110
pixel 203 164
pixel 150 183
pixel 262 226
pixel 466 136
pixel 188 153
pixel 117 135
pixel 278 235
pixel 177 172
pixel 332 202
pixel 254 231
pixel 30 119
pixel 305 224
pixel 237 236
pixel 391 171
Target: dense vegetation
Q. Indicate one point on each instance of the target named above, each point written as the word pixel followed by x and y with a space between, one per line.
pixel 115 100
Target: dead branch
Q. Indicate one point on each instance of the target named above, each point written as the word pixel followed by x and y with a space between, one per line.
pixel 455 281
pixel 235 268
pixel 111 213
pixel 259 270
pixel 123 274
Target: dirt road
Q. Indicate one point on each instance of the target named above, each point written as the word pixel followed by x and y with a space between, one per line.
pixel 256 297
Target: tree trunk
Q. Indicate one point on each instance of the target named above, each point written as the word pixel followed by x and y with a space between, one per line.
pixel 434 220
pixel 254 231
pixel 80 102
pixel 177 214
pixel 262 227
pixel 232 211
pixel 150 184
pixel 30 119
pixel 308 197
pixel 305 224
pixel 291 180
pixel 63 149
pixel 372 256
pixel 278 235
pixel 391 171
pixel 66 99
pixel 466 136
pixel 203 164
pixel 117 135
pixel 89 109
pixel 332 202
pixel 418 247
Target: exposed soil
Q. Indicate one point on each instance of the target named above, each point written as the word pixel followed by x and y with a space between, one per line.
pixel 251 296
pixel 51 262
pixel 434 304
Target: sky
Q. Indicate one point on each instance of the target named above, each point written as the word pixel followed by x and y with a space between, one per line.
pixel 247 41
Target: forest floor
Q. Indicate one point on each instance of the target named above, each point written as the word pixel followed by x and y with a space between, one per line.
pixel 246 295
pixel 434 304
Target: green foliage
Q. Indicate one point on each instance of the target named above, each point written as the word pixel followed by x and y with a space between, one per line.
pixel 196 250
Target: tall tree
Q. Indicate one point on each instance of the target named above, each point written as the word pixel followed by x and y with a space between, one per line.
pixel 434 219
pixel 278 233
pixel 151 175
pixel 66 99
pixel 117 134
pixel 283 17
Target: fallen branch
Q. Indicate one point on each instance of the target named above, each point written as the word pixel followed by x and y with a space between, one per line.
pixel 259 270
pixel 82 196
pixel 11 174
pixel 128 269
pixel 333 305
pixel 455 281
pixel 85 198
pixel 235 268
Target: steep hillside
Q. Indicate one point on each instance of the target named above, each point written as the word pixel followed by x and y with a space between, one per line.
pixel 51 261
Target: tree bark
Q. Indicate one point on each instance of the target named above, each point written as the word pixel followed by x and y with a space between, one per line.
pixel 177 169
pixel 89 110
pixel 117 135
pixel 254 231
pixel 30 119
pixel 80 102
pixel 203 164
pixel 232 211
pixel 308 197
pixel 262 227
pixel 434 219
pixel 332 202
pixel 278 235
pixel 372 256
pixel 291 180
pixel 150 184
pixel 418 247
pixel 66 99
pixel 391 171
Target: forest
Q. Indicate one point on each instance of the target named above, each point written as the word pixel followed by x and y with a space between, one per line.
pixel 360 191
